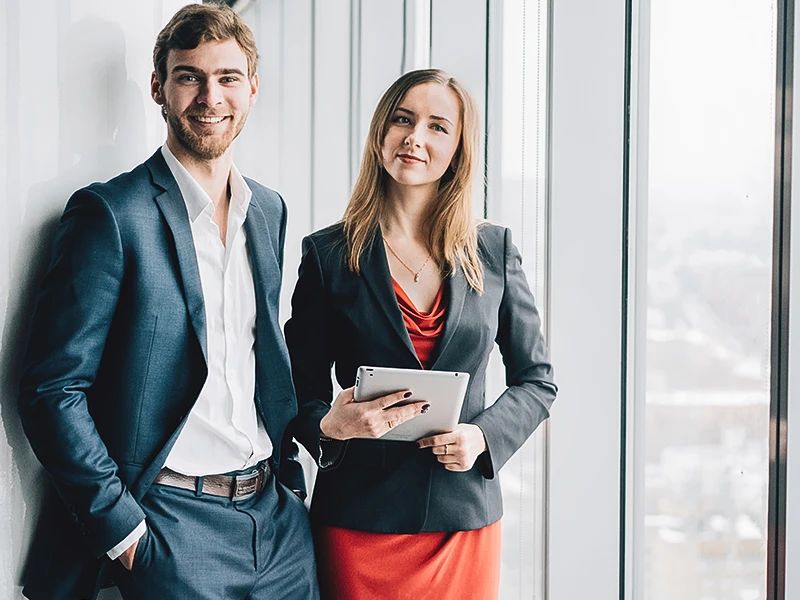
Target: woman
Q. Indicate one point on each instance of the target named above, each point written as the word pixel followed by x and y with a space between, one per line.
pixel 408 279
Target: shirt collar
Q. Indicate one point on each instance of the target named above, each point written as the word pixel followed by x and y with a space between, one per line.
pixel 196 199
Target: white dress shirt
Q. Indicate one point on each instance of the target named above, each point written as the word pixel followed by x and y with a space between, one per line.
pixel 223 431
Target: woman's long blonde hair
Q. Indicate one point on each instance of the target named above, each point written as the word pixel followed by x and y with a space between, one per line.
pixel 452 231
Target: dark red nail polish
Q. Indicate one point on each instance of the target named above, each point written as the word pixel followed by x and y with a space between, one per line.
pixel 407 395
pixel 425 408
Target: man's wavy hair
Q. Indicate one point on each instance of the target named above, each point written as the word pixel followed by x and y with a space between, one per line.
pixel 198 23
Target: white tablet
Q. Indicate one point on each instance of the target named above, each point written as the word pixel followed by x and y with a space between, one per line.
pixel 443 390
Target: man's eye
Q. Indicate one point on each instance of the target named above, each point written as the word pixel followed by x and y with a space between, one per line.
pixel 229 80
pixel 189 78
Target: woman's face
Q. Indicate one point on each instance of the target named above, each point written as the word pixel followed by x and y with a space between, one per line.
pixel 423 135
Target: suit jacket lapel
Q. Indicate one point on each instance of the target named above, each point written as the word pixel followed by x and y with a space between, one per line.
pixel 457 289
pixel 265 266
pixel 266 279
pixel 173 208
pixel 375 271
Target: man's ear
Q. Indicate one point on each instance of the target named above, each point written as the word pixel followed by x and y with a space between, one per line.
pixel 253 89
pixel 156 90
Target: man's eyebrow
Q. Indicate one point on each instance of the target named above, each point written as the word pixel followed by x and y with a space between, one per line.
pixel 191 69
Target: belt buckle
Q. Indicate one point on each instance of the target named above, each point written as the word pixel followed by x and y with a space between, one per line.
pixel 245 486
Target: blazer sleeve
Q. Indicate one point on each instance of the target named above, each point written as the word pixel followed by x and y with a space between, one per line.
pixel 308 337
pixel 529 375
pixel 291 469
pixel 71 320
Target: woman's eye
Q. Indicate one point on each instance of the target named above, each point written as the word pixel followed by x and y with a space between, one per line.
pixel 437 127
pixel 402 120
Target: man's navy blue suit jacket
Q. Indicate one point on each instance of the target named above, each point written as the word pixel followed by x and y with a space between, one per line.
pixel 116 358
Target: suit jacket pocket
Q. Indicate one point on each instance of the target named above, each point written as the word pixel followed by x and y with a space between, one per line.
pixel 143 393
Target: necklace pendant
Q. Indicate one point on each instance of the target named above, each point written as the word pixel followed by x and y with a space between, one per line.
pixel 416 277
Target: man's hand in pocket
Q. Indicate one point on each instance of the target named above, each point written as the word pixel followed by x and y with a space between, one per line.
pixel 126 558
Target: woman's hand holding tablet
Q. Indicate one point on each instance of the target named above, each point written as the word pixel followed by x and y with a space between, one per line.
pixel 443 391
pixel 368 419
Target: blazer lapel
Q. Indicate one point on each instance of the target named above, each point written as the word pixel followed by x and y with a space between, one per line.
pixel 265 264
pixel 173 208
pixel 375 271
pixel 457 293
pixel 267 281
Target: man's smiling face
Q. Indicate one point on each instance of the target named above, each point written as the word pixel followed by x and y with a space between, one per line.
pixel 206 97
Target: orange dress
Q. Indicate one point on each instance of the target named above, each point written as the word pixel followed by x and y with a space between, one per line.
pixel 362 565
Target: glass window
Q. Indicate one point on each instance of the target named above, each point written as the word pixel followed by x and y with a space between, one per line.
pixel 709 202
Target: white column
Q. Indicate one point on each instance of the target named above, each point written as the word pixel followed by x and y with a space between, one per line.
pixel 587 113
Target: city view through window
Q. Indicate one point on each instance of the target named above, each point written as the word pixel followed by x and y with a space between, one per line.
pixel 711 149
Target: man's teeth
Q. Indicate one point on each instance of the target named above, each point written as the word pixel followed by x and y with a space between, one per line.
pixel 209 119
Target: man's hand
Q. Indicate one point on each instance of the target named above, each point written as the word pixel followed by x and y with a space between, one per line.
pixel 126 558
pixel 459 449
pixel 350 419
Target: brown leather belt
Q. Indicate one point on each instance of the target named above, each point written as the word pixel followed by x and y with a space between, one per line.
pixel 235 487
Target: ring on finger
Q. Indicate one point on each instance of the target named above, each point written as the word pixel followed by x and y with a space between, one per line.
pixel 390 424
pixel 445 448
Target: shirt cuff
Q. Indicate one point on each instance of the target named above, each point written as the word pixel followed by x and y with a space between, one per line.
pixel 129 540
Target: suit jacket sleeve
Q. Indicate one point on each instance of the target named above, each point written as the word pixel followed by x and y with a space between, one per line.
pixel 529 376
pixel 308 337
pixel 291 470
pixel 71 320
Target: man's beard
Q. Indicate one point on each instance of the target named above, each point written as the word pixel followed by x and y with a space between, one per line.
pixel 203 147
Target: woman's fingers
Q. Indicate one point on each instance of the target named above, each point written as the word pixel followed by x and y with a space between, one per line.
pixel 400 414
pixel 390 399
pixel 370 419
pixel 457 467
pixel 456 450
pixel 442 444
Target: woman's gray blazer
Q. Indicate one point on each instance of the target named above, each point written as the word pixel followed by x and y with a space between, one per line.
pixel 346 319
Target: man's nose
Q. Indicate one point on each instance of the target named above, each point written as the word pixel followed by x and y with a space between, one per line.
pixel 210 93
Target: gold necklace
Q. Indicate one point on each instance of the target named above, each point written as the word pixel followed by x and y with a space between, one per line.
pixel 410 270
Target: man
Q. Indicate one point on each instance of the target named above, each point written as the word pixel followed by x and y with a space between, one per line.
pixel 156 388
